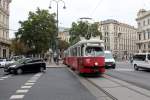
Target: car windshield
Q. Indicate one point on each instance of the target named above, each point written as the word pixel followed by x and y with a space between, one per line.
pixel 108 56
pixel 20 61
pixel 94 51
pixel 139 57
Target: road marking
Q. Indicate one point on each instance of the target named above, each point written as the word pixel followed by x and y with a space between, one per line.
pixel 34 78
pixel 22 91
pixel 17 97
pixel 6 76
pixel 1 79
pixel 32 81
pixel 123 69
pixel 29 83
pixel 26 87
pixel 38 75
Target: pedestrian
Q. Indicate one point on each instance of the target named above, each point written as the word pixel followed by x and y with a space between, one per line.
pixel 131 59
pixel 56 58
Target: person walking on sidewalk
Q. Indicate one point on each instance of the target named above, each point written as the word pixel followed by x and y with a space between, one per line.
pixel 56 58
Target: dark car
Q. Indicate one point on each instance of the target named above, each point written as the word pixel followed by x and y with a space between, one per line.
pixel 26 65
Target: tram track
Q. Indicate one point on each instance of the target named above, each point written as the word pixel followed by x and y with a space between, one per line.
pixel 101 89
pixel 93 88
pixel 110 88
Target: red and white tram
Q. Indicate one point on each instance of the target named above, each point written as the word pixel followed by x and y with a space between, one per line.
pixel 86 56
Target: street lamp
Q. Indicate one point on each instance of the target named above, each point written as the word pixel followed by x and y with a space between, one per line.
pixel 64 7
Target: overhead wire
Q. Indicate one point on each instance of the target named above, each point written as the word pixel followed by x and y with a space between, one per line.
pixel 93 11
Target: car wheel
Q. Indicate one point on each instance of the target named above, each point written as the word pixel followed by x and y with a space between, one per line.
pixel 113 67
pixel 136 67
pixel 41 69
pixel 19 71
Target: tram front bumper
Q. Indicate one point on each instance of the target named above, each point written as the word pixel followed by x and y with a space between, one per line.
pixel 95 69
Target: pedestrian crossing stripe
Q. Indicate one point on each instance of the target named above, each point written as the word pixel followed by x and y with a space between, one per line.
pixel 17 97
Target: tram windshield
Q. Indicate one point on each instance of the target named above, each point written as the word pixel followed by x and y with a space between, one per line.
pixel 94 51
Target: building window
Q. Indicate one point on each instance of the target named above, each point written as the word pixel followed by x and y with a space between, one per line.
pixel 148 32
pixel 4 53
pixel 143 23
pixel 0 3
pixel 139 46
pixel 149 45
pixel 139 36
pixel 139 24
pixel 144 46
pixel 144 35
pixel 148 21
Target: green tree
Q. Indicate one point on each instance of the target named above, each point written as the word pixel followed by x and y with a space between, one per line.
pixel 94 30
pixel 37 31
pixel 83 29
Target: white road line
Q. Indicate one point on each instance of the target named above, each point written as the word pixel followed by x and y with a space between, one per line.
pixel 1 79
pixel 26 87
pixel 34 78
pixel 123 69
pixel 39 74
pixel 17 97
pixel 32 81
pixel 29 83
pixel 5 77
pixel 22 91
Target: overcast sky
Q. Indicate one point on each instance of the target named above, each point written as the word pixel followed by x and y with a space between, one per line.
pixel 122 10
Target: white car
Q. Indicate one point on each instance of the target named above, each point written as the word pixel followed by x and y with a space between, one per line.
pixel 109 60
pixel 2 63
pixel 141 60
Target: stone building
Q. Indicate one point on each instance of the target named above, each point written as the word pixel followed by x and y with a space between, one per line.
pixel 119 38
pixel 143 21
pixel 64 34
pixel 4 28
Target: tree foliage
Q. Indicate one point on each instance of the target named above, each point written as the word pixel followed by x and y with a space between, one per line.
pixel 18 48
pixel 83 29
pixel 63 45
pixel 37 31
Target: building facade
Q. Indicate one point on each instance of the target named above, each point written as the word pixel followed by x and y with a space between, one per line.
pixel 119 38
pixel 143 21
pixel 64 34
pixel 4 28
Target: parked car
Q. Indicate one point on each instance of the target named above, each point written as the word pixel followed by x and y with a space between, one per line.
pixel 2 62
pixel 141 60
pixel 26 65
pixel 109 60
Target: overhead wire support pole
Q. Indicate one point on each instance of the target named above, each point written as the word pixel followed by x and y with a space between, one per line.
pixel 64 7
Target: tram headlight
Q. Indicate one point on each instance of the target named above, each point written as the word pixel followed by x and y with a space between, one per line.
pixel 96 63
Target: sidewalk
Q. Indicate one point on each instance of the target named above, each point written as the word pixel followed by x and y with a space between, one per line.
pixel 54 65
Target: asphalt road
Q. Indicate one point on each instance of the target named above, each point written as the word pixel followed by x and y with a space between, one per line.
pixel 55 84
pixel 126 72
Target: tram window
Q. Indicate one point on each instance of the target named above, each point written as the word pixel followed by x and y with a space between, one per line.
pixel 94 51
pixel 78 51
pixel 82 50
pixel 71 52
pixel 148 56
pixel 75 51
